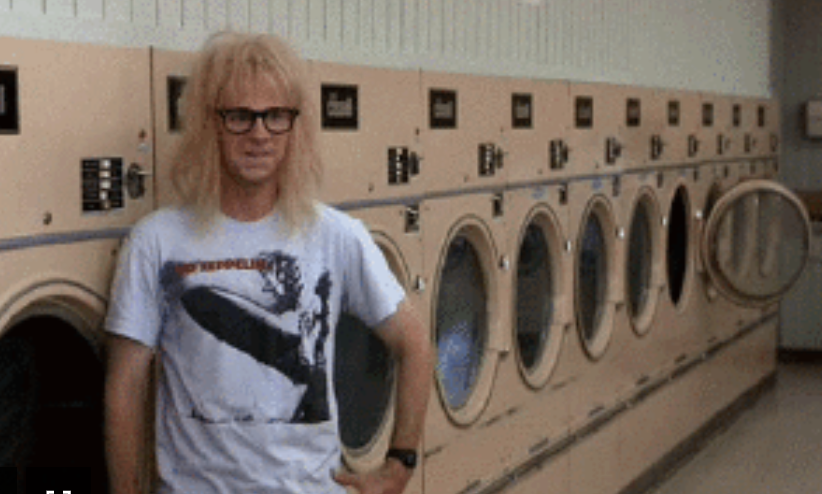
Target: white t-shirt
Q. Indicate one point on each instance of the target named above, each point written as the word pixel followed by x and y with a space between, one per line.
pixel 244 321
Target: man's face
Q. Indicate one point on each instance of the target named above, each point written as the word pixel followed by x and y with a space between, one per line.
pixel 250 160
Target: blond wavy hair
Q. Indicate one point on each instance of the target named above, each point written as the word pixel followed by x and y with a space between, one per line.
pixel 225 59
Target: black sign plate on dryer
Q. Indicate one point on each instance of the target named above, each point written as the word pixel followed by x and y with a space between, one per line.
pixel 340 107
pixel 442 109
pixel 9 102
pixel 707 114
pixel 584 112
pixel 175 86
pixel 673 113
pixel 522 111
pixel 633 112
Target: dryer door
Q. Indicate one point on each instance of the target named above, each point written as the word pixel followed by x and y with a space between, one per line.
pixel 769 245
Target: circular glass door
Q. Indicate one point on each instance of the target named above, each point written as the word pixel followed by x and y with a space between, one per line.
pixel 462 326
pixel 595 249
pixel 537 336
pixel 678 250
pixel 364 383
pixel 364 375
pixel 643 255
pixel 774 223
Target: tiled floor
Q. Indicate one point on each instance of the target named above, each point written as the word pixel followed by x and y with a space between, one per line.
pixel 773 448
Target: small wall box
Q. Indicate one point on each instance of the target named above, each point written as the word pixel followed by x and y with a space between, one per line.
pixel 813 119
pixel 9 109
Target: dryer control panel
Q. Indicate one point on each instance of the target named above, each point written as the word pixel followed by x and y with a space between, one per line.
pixel 102 184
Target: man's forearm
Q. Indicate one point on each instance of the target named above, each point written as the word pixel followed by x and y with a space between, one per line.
pixel 126 408
pixel 125 445
pixel 413 390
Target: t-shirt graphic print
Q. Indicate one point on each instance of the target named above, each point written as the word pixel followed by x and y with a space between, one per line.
pixel 255 325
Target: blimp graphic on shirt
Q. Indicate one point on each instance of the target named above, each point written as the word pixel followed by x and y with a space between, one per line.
pixel 261 308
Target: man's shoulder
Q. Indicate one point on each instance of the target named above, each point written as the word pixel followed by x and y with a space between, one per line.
pixel 336 220
pixel 163 221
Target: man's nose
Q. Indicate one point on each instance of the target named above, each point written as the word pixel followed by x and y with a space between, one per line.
pixel 258 130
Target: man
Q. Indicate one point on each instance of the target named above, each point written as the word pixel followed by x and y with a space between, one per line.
pixel 237 291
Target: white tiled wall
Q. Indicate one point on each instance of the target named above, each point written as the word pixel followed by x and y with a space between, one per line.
pixel 712 45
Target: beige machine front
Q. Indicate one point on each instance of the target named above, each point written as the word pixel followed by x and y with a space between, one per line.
pixel 595 142
pixel 370 121
pixel 77 166
pixel 76 150
pixel 84 136
pixel 675 120
pixel 468 273
pixel 364 371
pixel 534 136
pixel 531 396
pixel 169 73
pixel 640 216
pixel 639 125
pixel 463 141
pixel 598 304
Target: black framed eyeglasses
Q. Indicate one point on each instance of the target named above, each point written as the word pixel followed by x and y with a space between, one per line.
pixel 277 120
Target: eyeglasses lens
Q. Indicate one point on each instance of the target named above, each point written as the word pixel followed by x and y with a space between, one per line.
pixel 278 120
pixel 242 120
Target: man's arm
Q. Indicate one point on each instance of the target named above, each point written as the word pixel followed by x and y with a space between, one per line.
pixel 129 365
pixel 409 343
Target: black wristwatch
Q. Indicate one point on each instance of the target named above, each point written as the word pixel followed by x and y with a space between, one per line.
pixel 408 457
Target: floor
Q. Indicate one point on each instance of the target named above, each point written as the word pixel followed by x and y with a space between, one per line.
pixel 773 448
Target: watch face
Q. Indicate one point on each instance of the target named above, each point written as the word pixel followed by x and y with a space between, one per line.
pixel 407 457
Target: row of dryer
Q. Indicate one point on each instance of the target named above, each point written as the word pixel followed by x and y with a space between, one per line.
pixel 553 305
pixel 570 246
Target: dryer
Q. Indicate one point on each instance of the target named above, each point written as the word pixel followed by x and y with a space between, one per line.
pixel 533 379
pixel 467 270
pixel 682 312
pixel 642 226
pixel 668 331
pixel 776 224
pixel 76 145
pixel 364 372
pixel 735 249
pixel 598 304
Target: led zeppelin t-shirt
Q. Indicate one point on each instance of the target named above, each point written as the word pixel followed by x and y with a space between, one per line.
pixel 243 320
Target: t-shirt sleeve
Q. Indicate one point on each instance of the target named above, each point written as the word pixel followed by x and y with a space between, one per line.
pixel 136 301
pixel 372 292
